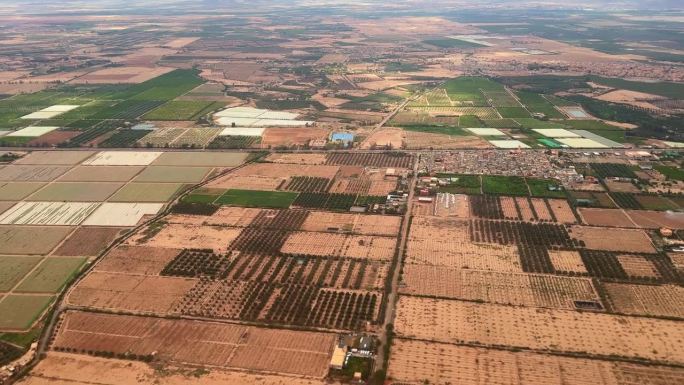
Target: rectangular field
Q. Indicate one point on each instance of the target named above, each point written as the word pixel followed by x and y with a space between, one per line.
pixel 542 329
pixel 54 158
pixel 51 275
pixel 19 312
pixel 172 174
pixel 16 191
pixel 76 192
pixel 496 287
pixel 13 269
pixel 253 198
pixel 88 241
pixel 48 213
pixel 121 214
pixel 101 174
pixel 122 158
pixel 200 343
pixel 22 239
pixel 420 362
pixel 22 173
pixel 646 300
pixel 146 192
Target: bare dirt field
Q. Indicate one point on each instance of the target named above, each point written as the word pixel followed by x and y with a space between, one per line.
pixel 26 173
pixel 446 242
pixel 617 186
pixel 318 158
pixel 424 140
pixel 137 260
pixel 604 217
pixel 646 300
pixel 339 245
pixel 602 238
pixel 232 216
pixel 420 362
pixel 201 343
pixel 126 74
pixel 562 211
pixel 178 236
pixel 657 219
pixel 273 137
pixel 496 287
pixel 354 223
pixel 88 241
pixel 133 293
pixel 73 369
pixel 385 138
pixel 542 329
pixel 53 138
pixel 274 170
pixel 247 182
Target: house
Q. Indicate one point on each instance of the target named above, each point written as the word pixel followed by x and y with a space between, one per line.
pixel 339 356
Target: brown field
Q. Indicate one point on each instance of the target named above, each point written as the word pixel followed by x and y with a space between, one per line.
pixel 88 241
pixel 232 216
pixel 567 261
pixel 385 138
pixel 542 329
pixel 605 217
pixel 199 343
pixel 247 182
pixel 646 300
pixel 353 223
pixel 177 236
pixel 339 245
pixel 53 138
pixel 273 137
pixel 4 206
pixel 420 362
pixel 134 293
pixel 22 239
pixel 543 213
pixel 424 140
pixel 73 369
pixel 446 242
pixel 136 260
pixel 602 238
pixel 508 207
pixel 657 219
pixel 638 266
pixel 525 209
pixel 496 287
pixel 561 209
pixel 617 186
pixel 126 74
pixel 451 205
pixel 277 170
pixel 297 158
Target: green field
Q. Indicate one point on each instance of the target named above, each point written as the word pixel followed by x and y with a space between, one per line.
pixel 463 184
pixel 540 188
pixel 469 88
pixel 19 312
pixel 446 130
pixel 513 112
pixel 252 198
pixel 537 103
pixel 13 269
pixel 504 185
pixel 674 173
pixel 182 110
pixel 532 123
pixel 51 275
pixel 589 125
pixel 452 43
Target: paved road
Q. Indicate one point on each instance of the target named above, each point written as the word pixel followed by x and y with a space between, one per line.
pixel 392 297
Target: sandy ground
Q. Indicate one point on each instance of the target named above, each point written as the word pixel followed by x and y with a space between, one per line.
pixel 633 98
pixel 425 140
pixel 126 74
pixel 387 138
pixel 72 369
pixel 602 238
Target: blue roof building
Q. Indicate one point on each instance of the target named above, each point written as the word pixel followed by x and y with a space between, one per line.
pixel 342 137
